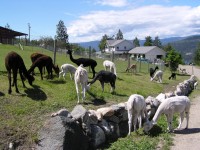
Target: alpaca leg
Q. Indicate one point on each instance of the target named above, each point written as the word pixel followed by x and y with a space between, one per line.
pixel 40 69
pixel 135 122
pixel 187 119
pixel 83 92
pixel 140 121
pixel 130 119
pixel 102 85
pixel 181 120
pixel 60 73
pixel 169 120
pixel 93 71
pixel 15 80
pixel 9 79
pixel 77 91
pixel 70 75
pixel 22 78
pixel 64 75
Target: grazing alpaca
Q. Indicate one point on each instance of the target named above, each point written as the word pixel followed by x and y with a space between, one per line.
pixel 14 62
pixel 84 61
pixel 133 67
pixel 158 75
pixel 110 65
pixel 67 68
pixel 152 71
pixel 81 77
pixel 177 104
pixel 173 76
pixel 105 77
pixel 136 107
pixel 42 62
pixel 35 56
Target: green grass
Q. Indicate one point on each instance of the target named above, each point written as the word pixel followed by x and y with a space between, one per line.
pixel 22 115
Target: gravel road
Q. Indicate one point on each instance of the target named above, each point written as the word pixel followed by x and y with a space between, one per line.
pixel 190 139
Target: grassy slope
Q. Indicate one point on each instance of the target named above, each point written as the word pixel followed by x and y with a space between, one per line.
pixel 22 115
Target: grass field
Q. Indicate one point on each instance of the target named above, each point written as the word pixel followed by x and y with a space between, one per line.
pixel 23 114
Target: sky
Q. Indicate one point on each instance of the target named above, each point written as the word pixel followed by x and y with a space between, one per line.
pixel 89 20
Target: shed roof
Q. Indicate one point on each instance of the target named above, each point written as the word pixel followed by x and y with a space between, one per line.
pixel 142 49
pixel 8 33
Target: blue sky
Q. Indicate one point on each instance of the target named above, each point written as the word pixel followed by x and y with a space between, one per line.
pixel 89 20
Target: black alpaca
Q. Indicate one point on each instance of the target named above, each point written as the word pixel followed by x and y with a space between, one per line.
pixel 14 62
pixel 173 76
pixel 152 71
pixel 85 61
pixel 105 77
pixel 44 61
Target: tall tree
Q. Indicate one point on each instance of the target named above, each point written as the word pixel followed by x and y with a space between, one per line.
pixel 174 59
pixel 62 35
pixel 119 35
pixel 148 41
pixel 136 42
pixel 157 42
pixel 197 55
pixel 168 48
pixel 102 43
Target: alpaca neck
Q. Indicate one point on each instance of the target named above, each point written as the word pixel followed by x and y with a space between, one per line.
pixel 157 115
pixel 71 58
pixel 24 70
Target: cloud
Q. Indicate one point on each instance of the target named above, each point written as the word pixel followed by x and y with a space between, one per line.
pixel 114 3
pixel 153 20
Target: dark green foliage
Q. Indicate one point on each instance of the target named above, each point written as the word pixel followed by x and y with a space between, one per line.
pixel 148 41
pixel 62 35
pixel 119 35
pixel 174 58
pixel 157 42
pixel 102 43
pixel 136 42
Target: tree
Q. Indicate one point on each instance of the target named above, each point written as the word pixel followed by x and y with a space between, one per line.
pixel 197 55
pixel 62 35
pixel 157 42
pixel 102 43
pixel 7 26
pixel 148 41
pixel 119 35
pixel 168 48
pixel 174 59
pixel 136 42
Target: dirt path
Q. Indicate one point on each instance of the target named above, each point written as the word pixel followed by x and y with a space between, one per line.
pixel 190 139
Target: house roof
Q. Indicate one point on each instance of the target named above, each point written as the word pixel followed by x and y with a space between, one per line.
pixel 8 33
pixel 143 49
pixel 115 42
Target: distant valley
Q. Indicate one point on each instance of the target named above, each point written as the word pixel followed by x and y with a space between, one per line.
pixel 185 45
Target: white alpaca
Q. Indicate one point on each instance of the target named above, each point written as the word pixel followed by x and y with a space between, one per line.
pixel 177 104
pixel 110 65
pixel 136 108
pixel 67 68
pixel 81 77
pixel 158 75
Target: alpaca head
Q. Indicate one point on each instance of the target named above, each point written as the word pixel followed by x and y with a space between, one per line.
pixel 69 51
pixel 148 125
pixel 57 70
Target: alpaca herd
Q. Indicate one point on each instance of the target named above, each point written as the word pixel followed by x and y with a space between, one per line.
pixel 168 103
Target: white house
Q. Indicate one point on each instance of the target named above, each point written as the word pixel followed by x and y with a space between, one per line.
pixel 118 46
pixel 148 52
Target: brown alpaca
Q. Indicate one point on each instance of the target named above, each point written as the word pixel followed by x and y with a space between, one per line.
pixel 14 62
pixel 45 61
pixel 133 67
pixel 34 57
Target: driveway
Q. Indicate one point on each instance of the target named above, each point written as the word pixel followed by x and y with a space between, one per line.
pixel 190 139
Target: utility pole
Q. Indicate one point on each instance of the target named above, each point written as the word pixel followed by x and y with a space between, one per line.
pixel 29 29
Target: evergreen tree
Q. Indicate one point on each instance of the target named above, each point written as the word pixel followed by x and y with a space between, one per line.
pixel 62 35
pixel 148 41
pixel 136 42
pixel 174 59
pixel 7 26
pixel 197 55
pixel 157 42
pixel 119 35
pixel 168 48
